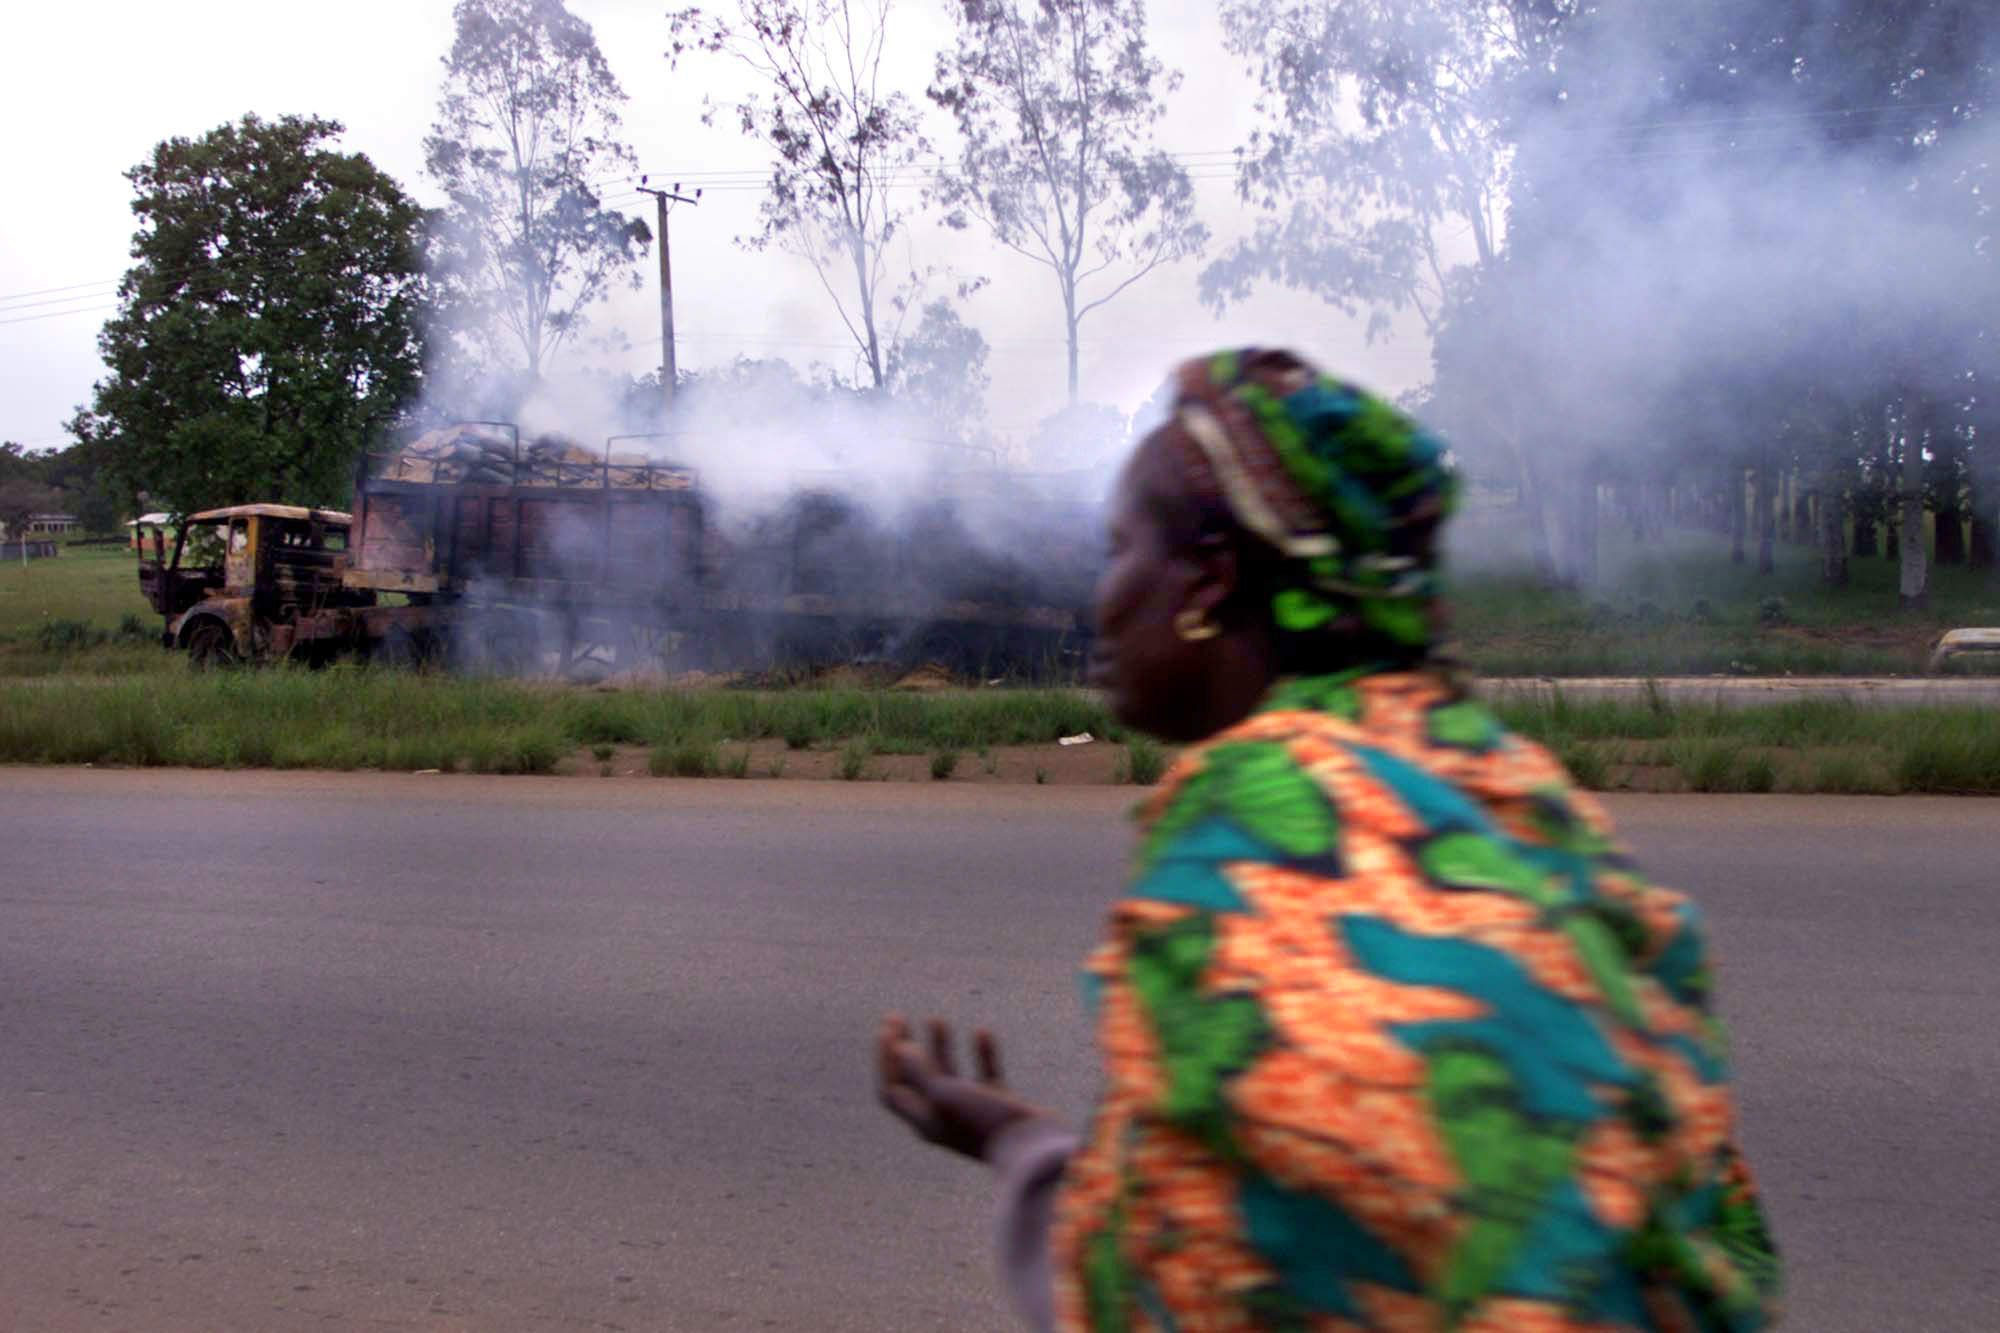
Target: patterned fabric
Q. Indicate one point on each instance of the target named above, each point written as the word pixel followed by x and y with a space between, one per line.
pixel 1340 483
pixel 1398 1039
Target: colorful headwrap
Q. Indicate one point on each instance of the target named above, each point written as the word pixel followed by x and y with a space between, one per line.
pixel 1345 487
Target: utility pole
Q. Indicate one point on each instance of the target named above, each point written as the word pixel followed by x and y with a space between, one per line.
pixel 661 198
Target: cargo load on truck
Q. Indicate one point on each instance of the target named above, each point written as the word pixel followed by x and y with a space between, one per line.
pixel 494 454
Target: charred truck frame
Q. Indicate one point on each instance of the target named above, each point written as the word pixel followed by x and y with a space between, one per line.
pixel 471 545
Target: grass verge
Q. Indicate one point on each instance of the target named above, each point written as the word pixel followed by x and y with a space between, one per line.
pixel 346 718
pixel 1808 745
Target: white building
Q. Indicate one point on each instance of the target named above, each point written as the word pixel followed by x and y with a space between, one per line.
pixel 45 525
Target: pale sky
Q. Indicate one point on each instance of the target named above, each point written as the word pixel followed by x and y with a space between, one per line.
pixel 87 88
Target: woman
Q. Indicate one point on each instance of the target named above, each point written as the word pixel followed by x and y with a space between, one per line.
pixel 1395 1036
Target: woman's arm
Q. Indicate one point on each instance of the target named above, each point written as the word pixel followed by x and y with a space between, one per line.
pixel 1029 1157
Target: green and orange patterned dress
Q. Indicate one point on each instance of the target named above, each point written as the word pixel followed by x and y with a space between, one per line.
pixel 1397 1038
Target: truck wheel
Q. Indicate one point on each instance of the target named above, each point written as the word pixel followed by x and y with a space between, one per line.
pixel 210 646
pixel 404 649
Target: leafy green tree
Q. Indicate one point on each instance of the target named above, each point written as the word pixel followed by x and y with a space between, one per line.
pixel 527 126
pixel 269 324
pixel 1056 102
pixel 939 367
pixel 1079 437
pixel 20 499
pixel 99 510
pixel 17 462
pixel 1743 244
pixel 1381 162
pixel 843 145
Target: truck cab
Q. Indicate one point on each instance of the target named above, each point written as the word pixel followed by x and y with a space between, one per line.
pixel 243 580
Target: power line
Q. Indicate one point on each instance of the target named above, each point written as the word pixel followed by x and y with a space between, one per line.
pixel 48 290
pixel 7 309
pixel 1223 163
pixel 59 314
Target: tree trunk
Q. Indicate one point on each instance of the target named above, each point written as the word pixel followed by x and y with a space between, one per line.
pixel 1534 504
pixel 1910 588
pixel 1802 516
pixel 1070 321
pixel 1864 530
pixel 1950 536
pixel 1574 505
pixel 1948 523
pixel 1739 516
pixel 1833 538
pixel 1768 484
pixel 1783 506
pixel 1980 554
pixel 1583 536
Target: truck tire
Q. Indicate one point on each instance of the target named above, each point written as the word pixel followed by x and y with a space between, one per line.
pixel 210 646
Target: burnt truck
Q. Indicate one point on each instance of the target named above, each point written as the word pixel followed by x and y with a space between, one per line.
pixel 254 582
pixel 474 546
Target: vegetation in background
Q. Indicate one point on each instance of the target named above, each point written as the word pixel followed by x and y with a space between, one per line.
pixel 854 758
pixel 1676 604
pixel 1809 745
pixel 839 138
pixel 689 756
pixel 1055 105
pixel 268 324
pixel 1145 761
pixel 527 127
pixel 349 717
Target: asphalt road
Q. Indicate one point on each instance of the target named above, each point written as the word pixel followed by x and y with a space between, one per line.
pixel 1752 691
pixel 288 1051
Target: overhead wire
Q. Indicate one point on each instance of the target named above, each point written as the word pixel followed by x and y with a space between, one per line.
pixel 1643 142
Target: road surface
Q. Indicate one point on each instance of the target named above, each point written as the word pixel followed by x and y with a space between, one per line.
pixel 285 1051
pixel 1752 691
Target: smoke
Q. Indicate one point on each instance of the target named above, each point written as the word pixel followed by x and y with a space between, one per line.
pixel 824 523
pixel 1732 242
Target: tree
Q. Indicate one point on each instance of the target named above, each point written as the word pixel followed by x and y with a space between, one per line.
pixel 940 368
pixel 17 463
pixel 21 498
pixel 843 145
pixel 1364 215
pixel 1742 242
pixel 1080 437
pixel 1055 103
pixel 527 125
pixel 98 510
pixel 269 325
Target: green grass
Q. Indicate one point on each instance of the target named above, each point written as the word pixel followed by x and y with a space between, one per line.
pixel 353 717
pixel 854 758
pixel 1145 761
pixel 1709 765
pixel 80 612
pixel 95 584
pixel 895 723
pixel 1679 606
pixel 349 717
pixel 1815 745
pixel 281 719
pixel 688 757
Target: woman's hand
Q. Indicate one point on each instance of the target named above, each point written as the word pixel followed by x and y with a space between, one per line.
pixel 923 1088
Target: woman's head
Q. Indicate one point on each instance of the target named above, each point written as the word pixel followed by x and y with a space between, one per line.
pixel 1279 523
